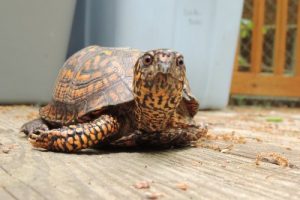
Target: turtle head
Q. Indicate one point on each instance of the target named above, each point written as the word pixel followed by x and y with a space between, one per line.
pixel 161 62
pixel 159 77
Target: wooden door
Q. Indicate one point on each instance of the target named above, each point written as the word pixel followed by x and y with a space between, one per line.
pixel 268 53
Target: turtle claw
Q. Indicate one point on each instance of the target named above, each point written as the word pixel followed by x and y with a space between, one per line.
pixel 39 139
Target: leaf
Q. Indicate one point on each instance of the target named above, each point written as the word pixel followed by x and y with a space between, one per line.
pixel 274 119
pixel 244 34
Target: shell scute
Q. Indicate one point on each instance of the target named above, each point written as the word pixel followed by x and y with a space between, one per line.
pixel 91 79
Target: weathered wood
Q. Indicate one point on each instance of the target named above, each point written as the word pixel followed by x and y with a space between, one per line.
pixel 265 85
pixel 236 57
pixel 27 173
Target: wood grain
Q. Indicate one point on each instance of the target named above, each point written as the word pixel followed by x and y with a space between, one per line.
pixel 28 173
pixel 236 57
pixel 257 39
pixel 280 36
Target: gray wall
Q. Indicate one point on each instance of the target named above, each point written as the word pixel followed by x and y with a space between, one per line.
pixel 34 37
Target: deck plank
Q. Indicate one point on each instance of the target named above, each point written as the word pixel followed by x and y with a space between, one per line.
pixel 27 173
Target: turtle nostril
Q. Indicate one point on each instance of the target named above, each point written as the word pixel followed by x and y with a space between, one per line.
pixel 163 67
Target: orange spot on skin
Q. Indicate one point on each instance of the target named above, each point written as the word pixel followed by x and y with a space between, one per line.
pixel 79 130
pixel 70 140
pixel 93 137
pixel 84 139
pixel 72 126
pixel 70 132
pixel 59 143
pixel 98 123
pixel 69 146
pixel 49 136
pixel 55 145
pixel 109 127
pixel 92 131
pixel 57 133
pixel 76 137
pixel 97 129
pixel 78 144
pixel 64 134
pixel 99 136
pixel 104 130
pixel 87 131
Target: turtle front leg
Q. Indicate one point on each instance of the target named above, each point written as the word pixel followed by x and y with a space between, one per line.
pixel 188 135
pixel 76 137
pixel 180 136
pixel 186 130
pixel 167 138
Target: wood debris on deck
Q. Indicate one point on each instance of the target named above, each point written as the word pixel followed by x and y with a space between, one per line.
pixel 248 153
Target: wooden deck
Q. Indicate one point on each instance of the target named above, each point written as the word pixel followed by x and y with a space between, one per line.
pixel 222 166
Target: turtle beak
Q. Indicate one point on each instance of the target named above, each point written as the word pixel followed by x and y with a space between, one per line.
pixel 164 67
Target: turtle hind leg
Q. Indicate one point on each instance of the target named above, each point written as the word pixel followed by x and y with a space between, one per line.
pixel 34 126
pixel 76 137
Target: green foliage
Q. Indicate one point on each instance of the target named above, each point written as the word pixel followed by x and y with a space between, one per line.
pixel 246 28
pixel 240 100
pixel 274 119
pixel 242 61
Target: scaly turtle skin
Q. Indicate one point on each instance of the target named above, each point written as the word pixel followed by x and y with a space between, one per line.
pixel 118 97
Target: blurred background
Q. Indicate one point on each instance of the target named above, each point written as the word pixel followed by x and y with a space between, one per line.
pixel 238 52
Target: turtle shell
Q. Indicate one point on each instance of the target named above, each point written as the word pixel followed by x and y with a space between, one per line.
pixel 90 80
pixel 95 78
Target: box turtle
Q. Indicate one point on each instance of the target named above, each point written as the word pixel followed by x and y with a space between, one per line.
pixel 118 97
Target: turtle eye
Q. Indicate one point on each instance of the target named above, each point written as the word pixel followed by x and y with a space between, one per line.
pixel 147 59
pixel 180 61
